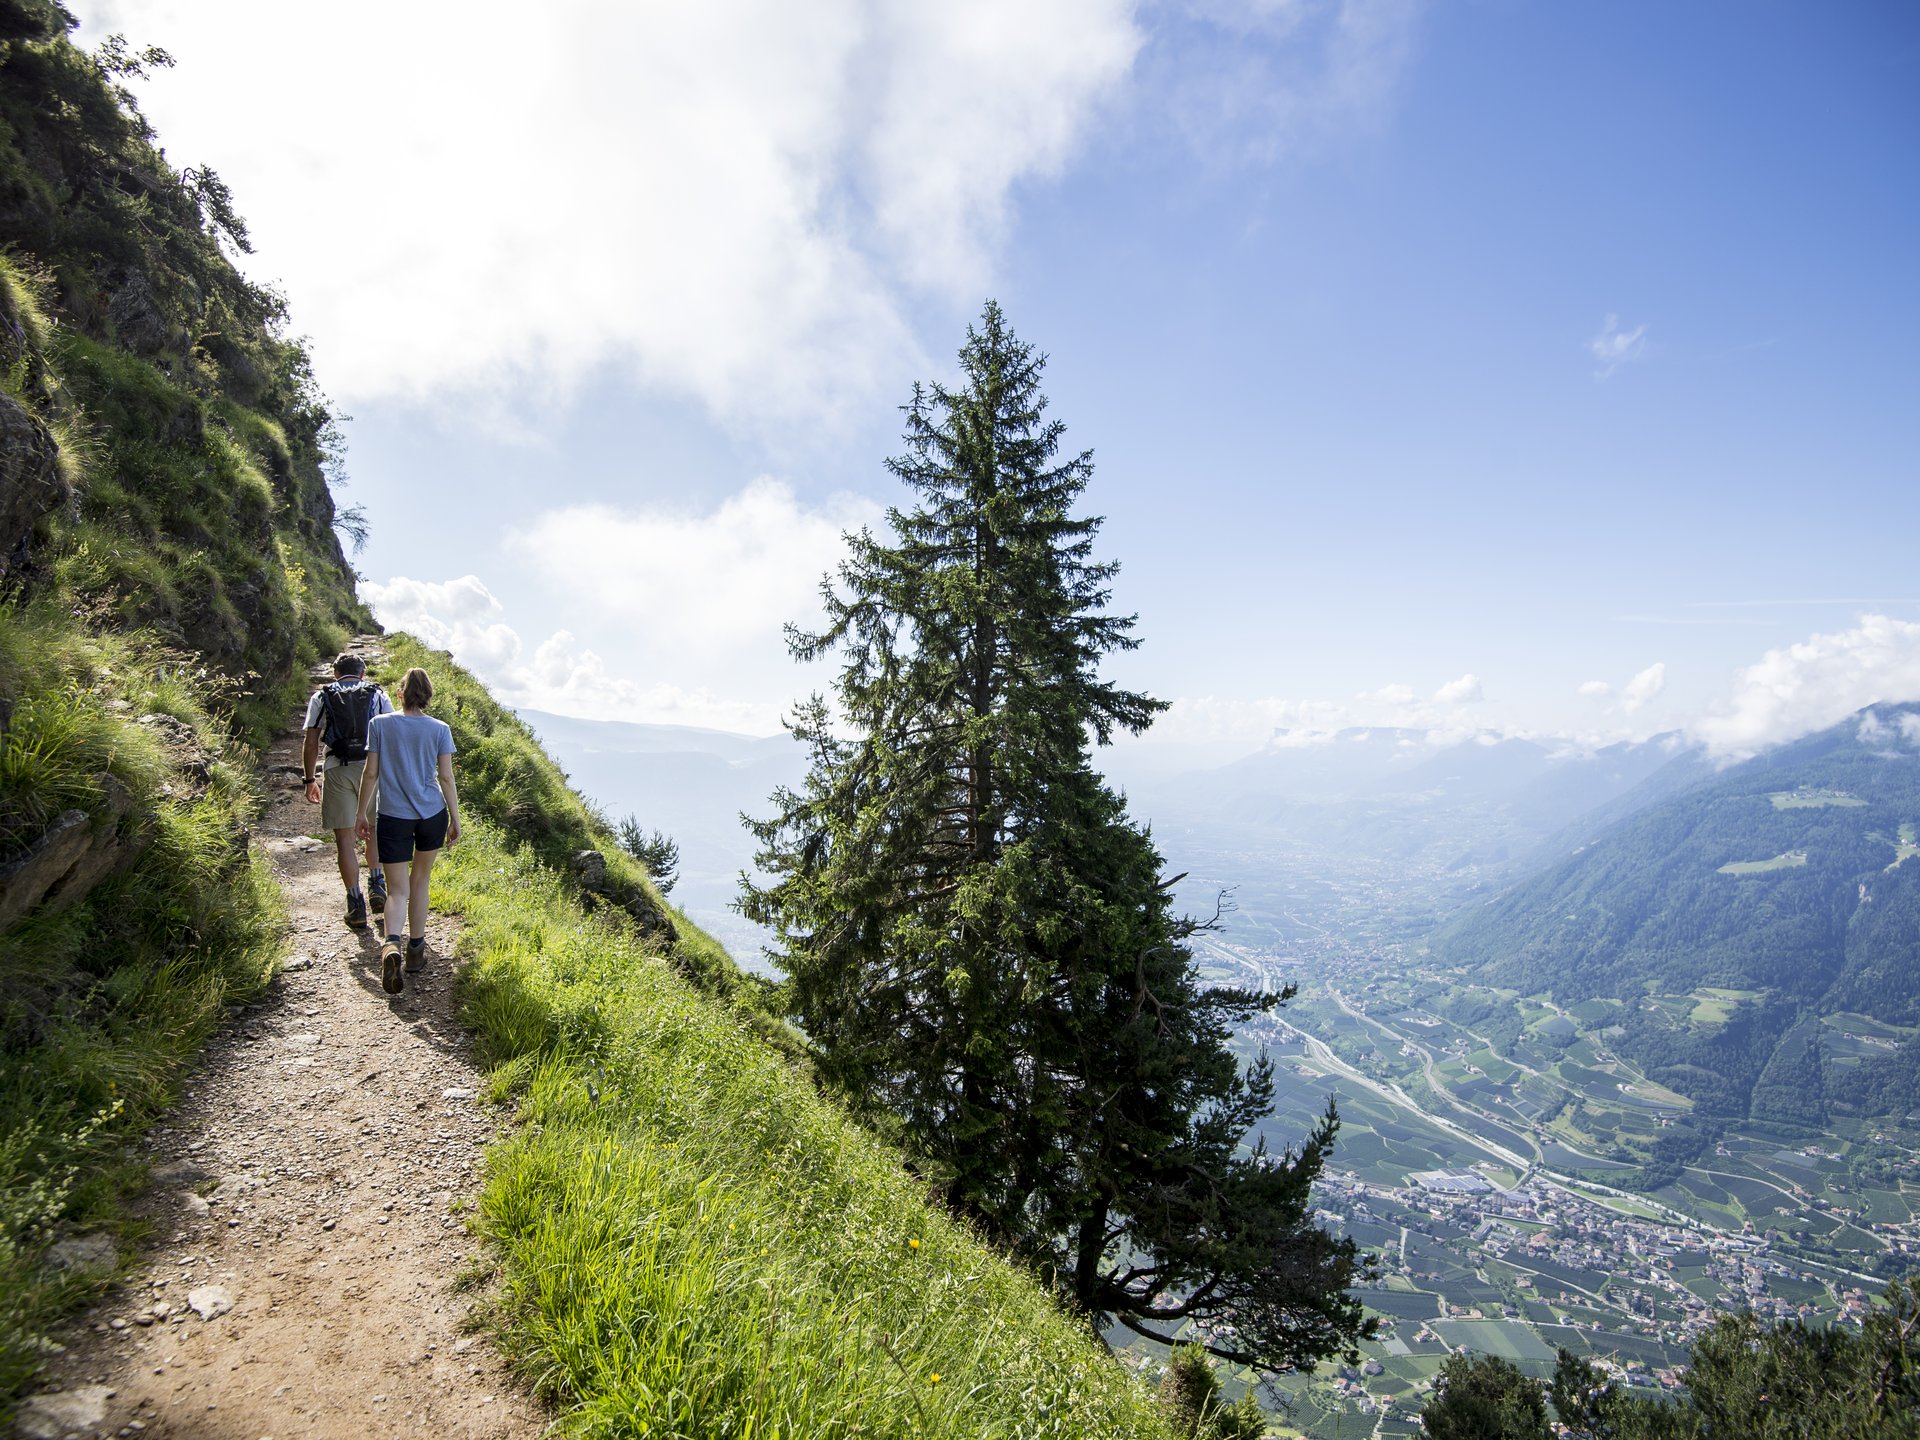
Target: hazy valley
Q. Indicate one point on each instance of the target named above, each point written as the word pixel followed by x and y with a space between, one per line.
pixel 1552 992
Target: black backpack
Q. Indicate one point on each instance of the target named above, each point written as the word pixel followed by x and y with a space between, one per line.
pixel 349 710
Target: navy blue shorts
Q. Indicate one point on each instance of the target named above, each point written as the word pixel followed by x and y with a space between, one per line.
pixel 398 837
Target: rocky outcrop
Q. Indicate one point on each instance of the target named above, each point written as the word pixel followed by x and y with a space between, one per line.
pixel 590 873
pixel 136 316
pixel 76 853
pixel 31 485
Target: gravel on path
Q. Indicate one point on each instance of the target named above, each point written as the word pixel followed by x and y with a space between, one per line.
pixel 301 1274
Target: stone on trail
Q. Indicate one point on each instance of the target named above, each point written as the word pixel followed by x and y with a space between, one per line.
pixel 210 1302
pixel 49 1417
pixel 84 1255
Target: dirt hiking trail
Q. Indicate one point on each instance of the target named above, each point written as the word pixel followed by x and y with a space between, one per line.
pixel 299 1276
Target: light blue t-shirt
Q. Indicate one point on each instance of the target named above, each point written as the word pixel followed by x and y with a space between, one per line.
pixel 410 747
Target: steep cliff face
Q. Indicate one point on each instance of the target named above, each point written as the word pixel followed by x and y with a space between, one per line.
pixel 164 451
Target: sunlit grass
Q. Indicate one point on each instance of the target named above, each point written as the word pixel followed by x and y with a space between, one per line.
pixel 693 1242
pixel 103 1004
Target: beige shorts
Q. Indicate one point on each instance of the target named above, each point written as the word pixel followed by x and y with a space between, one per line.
pixel 340 794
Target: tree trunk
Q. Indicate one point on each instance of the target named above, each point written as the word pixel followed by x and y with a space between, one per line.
pixel 1090 1247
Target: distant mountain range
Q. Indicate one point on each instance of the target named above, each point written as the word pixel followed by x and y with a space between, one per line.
pixel 1789 886
pixel 1443 801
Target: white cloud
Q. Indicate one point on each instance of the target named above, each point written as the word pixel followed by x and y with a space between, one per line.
pixel 460 616
pixel 1801 688
pixel 566 678
pixel 1642 688
pixel 1596 689
pixel 1463 691
pixel 1209 718
pixel 464 618
pixel 1614 347
pixel 736 201
pixel 699 583
pixel 691 603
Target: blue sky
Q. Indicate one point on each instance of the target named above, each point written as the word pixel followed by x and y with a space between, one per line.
pixel 1517 365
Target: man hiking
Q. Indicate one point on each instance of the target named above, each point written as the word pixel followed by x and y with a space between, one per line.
pixel 340 714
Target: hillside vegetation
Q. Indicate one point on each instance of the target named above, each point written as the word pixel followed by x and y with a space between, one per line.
pixel 1784 885
pixel 168 563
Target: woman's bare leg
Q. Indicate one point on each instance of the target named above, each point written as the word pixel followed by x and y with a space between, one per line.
pixel 397 899
pixel 417 900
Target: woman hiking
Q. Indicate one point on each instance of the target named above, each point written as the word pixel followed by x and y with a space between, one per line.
pixel 410 767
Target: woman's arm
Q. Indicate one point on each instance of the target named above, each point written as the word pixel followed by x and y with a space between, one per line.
pixel 452 795
pixel 367 778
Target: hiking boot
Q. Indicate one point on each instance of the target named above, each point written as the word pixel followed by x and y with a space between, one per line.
pixel 391 980
pixel 356 910
pixel 416 952
pixel 377 892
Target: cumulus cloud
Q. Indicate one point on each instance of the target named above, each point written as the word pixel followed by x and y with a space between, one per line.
pixel 1463 691
pixel 1644 687
pixel 1596 689
pixel 736 201
pixel 566 678
pixel 459 616
pixel 1797 689
pixel 754 563
pixel 464 618
pixel 686 608
pixel 1614 347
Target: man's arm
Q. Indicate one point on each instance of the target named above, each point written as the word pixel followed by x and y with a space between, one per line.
pixel 309 753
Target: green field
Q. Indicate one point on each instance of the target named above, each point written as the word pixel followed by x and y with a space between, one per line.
pixel 1509 1339
pixel 1907 846
pixel 1715 1006
pixel 1812 799
pixel 1792 860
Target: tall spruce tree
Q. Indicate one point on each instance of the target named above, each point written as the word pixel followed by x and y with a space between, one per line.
pixel 978 941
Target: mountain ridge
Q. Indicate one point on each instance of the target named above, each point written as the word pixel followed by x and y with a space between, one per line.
pixel 1783 879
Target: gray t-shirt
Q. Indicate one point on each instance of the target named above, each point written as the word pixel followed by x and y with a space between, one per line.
pixel 410 747
pixel 317 713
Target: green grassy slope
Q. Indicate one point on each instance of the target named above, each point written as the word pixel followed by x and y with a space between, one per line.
pixel 691 1240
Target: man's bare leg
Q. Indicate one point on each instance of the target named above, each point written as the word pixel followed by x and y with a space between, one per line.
pixel 348 856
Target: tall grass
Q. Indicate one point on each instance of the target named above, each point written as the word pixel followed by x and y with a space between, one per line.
pixel 104 1004
pixel 693 1242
